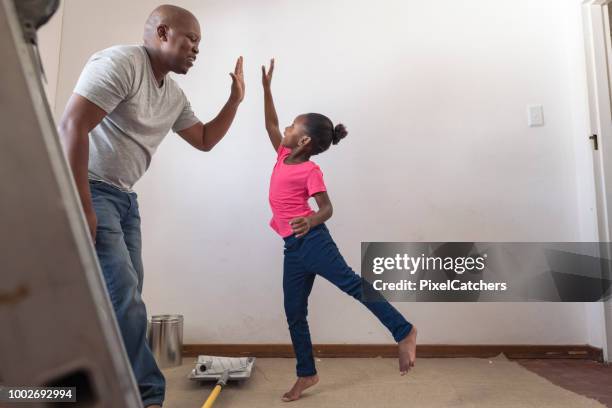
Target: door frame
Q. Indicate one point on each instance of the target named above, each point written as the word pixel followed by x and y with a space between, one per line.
pixel 598 53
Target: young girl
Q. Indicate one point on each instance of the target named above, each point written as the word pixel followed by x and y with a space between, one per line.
pixel 309 248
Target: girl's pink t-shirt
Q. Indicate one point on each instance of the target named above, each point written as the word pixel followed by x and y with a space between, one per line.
pixel 291 185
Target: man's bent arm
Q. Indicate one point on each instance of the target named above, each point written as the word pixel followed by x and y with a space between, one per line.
pixel 205 136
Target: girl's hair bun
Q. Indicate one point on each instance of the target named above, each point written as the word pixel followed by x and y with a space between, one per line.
pixel 339 133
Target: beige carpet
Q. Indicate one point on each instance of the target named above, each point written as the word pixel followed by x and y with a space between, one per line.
pixel 375 382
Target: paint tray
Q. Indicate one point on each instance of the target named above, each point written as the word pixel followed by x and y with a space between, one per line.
pixel 211 368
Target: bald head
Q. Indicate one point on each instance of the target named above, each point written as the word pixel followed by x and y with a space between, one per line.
pixel 173 34
pixel 172 17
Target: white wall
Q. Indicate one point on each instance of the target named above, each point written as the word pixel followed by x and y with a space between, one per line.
pixel 434 95
pixel 49 44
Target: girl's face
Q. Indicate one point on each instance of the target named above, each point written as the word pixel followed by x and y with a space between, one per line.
pixel 294 134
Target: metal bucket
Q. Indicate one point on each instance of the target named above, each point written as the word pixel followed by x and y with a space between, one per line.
pixel 165 334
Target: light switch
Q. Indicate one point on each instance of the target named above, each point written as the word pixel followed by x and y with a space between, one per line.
pixel 535 115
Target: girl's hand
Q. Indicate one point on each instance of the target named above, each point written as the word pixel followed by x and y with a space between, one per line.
pixel 266 79
pixel 237 93
pixel 300 226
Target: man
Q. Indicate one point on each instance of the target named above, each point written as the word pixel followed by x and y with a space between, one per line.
pixel 122 107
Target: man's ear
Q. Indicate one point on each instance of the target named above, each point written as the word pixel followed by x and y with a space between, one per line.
pixel 162 32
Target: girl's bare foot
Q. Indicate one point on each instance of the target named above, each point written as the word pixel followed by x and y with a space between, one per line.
pixel 407 351
pixel 300 385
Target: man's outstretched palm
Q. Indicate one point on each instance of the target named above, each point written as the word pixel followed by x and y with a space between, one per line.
pixel 237 94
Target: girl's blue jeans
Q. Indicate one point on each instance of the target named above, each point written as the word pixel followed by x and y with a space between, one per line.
pixel 317 254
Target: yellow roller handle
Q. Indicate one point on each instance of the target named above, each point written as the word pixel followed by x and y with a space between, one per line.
pixel 212 397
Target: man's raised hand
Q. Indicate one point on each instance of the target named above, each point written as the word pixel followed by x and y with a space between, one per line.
pixel 237 94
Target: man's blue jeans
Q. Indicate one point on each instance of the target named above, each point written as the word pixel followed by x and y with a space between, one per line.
pixel 118 245
pixel 317 254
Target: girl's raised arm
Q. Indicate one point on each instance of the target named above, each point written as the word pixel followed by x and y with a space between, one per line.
pixel 269 110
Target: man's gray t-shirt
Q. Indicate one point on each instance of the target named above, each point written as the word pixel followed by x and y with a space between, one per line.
pixel 140 113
